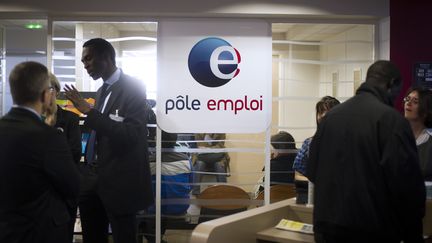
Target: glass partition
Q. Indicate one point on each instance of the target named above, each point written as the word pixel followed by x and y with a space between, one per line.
pixel 15 48
pixel 309 61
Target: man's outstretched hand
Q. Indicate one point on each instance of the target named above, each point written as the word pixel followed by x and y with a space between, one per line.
pixel 73 95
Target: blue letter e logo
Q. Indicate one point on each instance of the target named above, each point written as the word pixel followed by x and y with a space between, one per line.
pixel 213 62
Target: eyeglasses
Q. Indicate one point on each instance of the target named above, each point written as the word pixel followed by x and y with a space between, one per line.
pixel 414 101
pixel 50 89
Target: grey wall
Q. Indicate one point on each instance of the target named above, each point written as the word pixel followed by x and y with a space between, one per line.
pixel 20 49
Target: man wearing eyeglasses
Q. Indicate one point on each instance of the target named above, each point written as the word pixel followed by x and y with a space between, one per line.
pixel 37 173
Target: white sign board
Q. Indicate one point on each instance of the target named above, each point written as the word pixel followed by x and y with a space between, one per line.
pixel 214 76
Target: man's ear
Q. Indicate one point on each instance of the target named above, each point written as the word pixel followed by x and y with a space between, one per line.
pixel 394 82
pixel 43 96
pixel 391 83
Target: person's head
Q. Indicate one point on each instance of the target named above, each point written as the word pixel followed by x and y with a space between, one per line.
pixel 282 140
pixel 418 105
pixel 386 75
pixel 54 83
pixel 98 57
pixel 324 105
pixel 169 140
pixel 30 86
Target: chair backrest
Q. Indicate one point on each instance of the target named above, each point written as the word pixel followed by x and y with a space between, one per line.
pixel 279 193
pixel 224 192
pixel 218 194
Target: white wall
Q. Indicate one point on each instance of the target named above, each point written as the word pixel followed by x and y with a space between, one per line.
pixel 384 39
pixel 356 44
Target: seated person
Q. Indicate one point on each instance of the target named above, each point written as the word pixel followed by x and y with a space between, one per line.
pixel 282 159
pixel 214 162
pixel 175 177
pixel 322 107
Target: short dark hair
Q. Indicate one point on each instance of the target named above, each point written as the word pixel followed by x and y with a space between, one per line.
pixel 425 103
pixel 325 104
pixel 169 140
pixel 282 140
pixel 27 82
pixel 101 47
pixel 383 73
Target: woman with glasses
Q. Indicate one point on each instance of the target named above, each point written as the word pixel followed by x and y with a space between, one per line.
pixel 418 112
pixel 65 121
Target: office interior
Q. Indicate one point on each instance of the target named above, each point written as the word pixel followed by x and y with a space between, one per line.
pixel 318 48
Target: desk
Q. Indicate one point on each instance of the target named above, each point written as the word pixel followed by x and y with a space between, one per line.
pixel 283 236
pixel 243 227
pixel 247 226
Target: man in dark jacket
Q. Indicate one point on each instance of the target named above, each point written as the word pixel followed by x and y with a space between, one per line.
pixel 364 163
pixel 117 180
pixel 38 178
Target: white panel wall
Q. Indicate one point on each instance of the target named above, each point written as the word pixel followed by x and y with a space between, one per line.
pixel 353 45
pixel 298 87
pixel 384 39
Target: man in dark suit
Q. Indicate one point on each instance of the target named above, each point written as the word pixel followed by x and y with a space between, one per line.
pixel 117 180
pixel 37 174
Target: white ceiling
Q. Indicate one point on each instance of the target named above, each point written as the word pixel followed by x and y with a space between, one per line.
pixel 290 31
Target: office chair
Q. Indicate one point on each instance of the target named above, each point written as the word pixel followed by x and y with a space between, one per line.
pixel 279 193
pixel 217 207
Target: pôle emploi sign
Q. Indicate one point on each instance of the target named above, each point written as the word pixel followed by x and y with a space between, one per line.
pixel 214 76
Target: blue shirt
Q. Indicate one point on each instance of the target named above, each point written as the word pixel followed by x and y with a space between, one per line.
pixel 114 77
pixel 302 157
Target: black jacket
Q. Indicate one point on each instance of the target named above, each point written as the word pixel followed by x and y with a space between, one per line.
pixel 124 179
pixel 364 163
pixel 68 123
pixel 37 177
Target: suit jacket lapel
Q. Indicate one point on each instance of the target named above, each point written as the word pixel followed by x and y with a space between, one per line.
pixel 98 96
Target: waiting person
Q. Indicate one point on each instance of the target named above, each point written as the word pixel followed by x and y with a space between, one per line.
pixel 363 162
pixel 282 158
pixel 176 177
pixel 37 175
pixel 214 162
pixel 418 112
pixel 65 121
pixel 68 123
pixel 117 180
pixel 322 107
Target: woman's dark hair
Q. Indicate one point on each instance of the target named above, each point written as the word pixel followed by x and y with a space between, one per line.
pixel 169 140
pixel 424 103
pixel 282 140
pixel 325 104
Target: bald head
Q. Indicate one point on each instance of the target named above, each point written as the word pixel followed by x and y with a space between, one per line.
pixel 383 73
pixel 386 75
